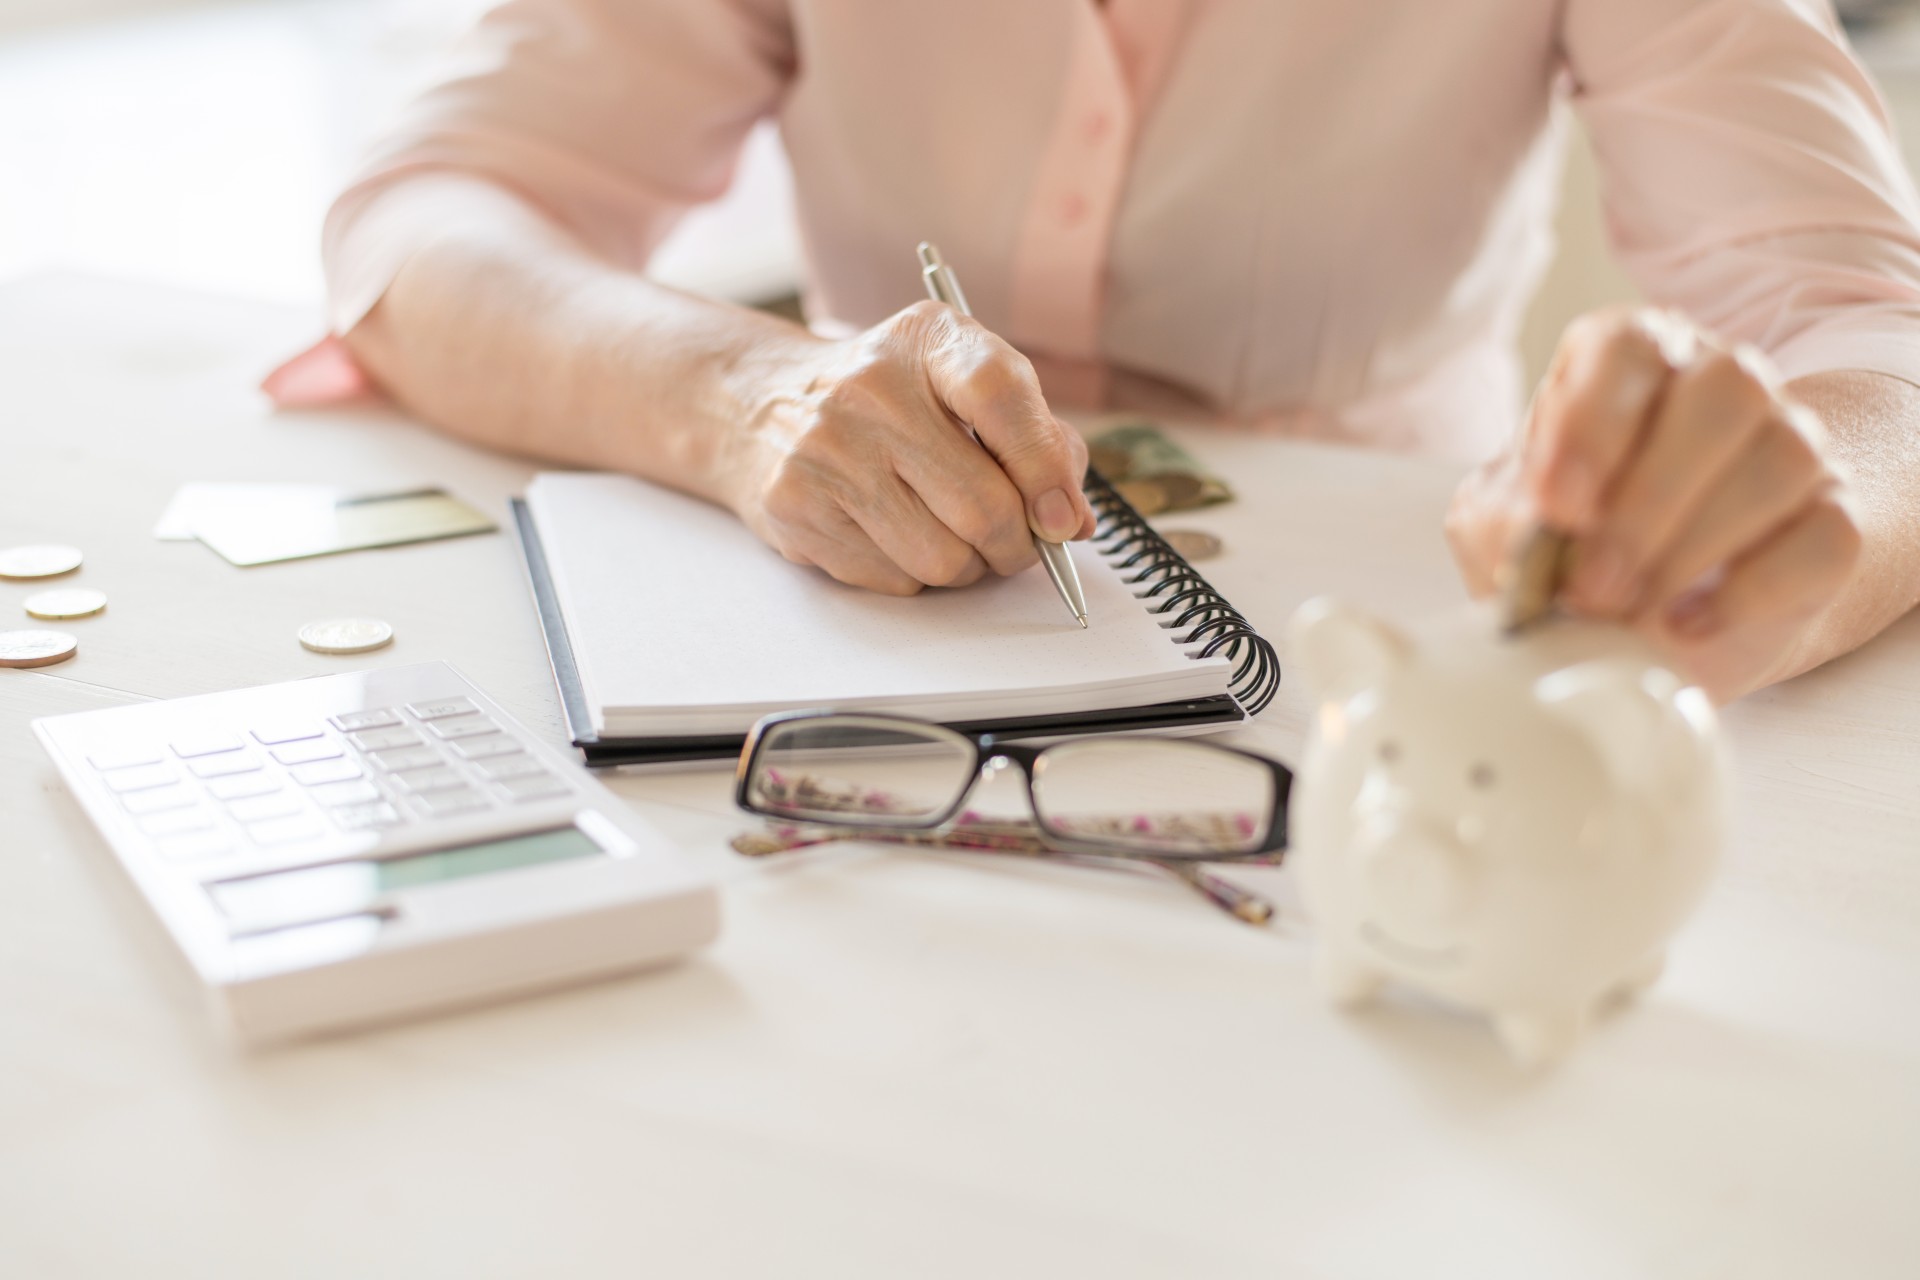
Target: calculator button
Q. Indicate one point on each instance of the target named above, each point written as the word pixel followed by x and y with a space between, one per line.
pixel 378 718
pixel 441 708
pixel 441 804
pixel 261 808
pixel 466 727
pixel 240 785
pixel 305 752
pixel 205 744
pixel 358 791
pixel 123 757
pixel 423 780
pixel 274 734
pixel 494 744
pixel 202 844
pixel 382 739
pixel 363 817
pixel 324 771
pixel 284 831
pixel 405 758
pixel 535 786
pixel 158 800
pixel 518 765
pixel 177 822
pixel 139 778
pixel 226 763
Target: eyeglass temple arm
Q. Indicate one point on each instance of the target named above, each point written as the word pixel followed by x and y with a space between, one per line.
pixel 1242 904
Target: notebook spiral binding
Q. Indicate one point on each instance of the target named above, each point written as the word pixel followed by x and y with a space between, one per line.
pixel 1191 607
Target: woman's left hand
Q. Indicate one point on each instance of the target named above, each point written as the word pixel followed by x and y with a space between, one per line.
pixel 1704 507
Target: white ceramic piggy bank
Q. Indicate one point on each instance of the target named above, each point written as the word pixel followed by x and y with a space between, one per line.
pixel 1513 825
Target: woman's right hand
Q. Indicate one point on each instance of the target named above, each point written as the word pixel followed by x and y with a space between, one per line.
pixel 859 460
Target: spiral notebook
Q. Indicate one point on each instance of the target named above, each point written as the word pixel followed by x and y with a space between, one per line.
pixel 671 629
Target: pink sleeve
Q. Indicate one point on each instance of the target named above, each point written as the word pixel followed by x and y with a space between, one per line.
pixel 614 116
pixel 1751 178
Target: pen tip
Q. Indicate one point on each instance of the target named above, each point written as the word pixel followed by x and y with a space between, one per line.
pixel 1083 620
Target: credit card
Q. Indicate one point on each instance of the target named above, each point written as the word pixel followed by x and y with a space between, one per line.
pixel 322 522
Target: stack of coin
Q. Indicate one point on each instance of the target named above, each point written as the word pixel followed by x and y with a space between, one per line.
pixel 1152 472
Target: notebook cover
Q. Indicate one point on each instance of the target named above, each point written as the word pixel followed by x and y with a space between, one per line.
pixel 1220 710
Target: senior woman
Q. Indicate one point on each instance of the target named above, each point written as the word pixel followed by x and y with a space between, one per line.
pixel 1320 220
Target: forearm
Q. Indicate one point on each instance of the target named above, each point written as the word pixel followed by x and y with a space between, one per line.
pixel 501 329
pixel 1873 427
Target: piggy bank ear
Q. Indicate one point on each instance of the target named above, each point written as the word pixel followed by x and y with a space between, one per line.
pixel 1636 716
pixel 1341 650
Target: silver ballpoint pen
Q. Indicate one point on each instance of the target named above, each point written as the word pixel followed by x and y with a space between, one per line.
pixel 943 286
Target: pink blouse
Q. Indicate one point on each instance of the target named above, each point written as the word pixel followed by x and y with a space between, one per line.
pixel 1320 218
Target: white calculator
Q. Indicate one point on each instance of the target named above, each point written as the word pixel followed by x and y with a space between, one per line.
pixel 358 847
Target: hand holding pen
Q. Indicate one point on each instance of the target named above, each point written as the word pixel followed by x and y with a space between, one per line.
pixel 944 286
pixel 918 453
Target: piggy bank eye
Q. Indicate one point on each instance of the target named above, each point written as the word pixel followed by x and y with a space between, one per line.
pixel 1389 751
pixel 1481 776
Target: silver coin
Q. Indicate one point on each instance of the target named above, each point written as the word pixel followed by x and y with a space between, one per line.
pixel 45 560
pixel 36 648
pixel 346 635
pixel 1192 544
pixel 73 602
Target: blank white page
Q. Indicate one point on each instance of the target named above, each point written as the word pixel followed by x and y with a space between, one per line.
pixel 683 622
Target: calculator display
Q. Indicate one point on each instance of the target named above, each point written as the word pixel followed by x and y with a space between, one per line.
pixel 478 859
pixel 337 888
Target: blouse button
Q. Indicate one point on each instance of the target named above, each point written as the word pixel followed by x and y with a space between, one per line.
pixel 1073 209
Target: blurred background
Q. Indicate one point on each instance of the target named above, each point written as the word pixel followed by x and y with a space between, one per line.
pixel 197 143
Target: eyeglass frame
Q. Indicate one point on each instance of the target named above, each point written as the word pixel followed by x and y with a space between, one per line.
pixel 989 749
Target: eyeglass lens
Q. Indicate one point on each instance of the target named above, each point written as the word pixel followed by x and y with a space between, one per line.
pixel 1160 796
pixel 854 771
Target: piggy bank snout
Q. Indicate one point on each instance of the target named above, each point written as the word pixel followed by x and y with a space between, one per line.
pixel 1419 881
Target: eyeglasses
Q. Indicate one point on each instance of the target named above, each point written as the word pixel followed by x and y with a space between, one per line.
pixel 1157 799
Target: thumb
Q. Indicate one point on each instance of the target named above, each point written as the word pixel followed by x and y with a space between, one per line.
pixel 1487 512
pixel 997 395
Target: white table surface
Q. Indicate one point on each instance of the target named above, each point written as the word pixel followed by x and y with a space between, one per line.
pixel 893 1064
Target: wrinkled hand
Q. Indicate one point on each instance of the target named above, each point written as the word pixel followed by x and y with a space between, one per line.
pixel 1704 507
pixel 861 461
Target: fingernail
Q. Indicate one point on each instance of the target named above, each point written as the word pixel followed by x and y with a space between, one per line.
pixel 1054 513
pixel 1693 616
pixel 1604 581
